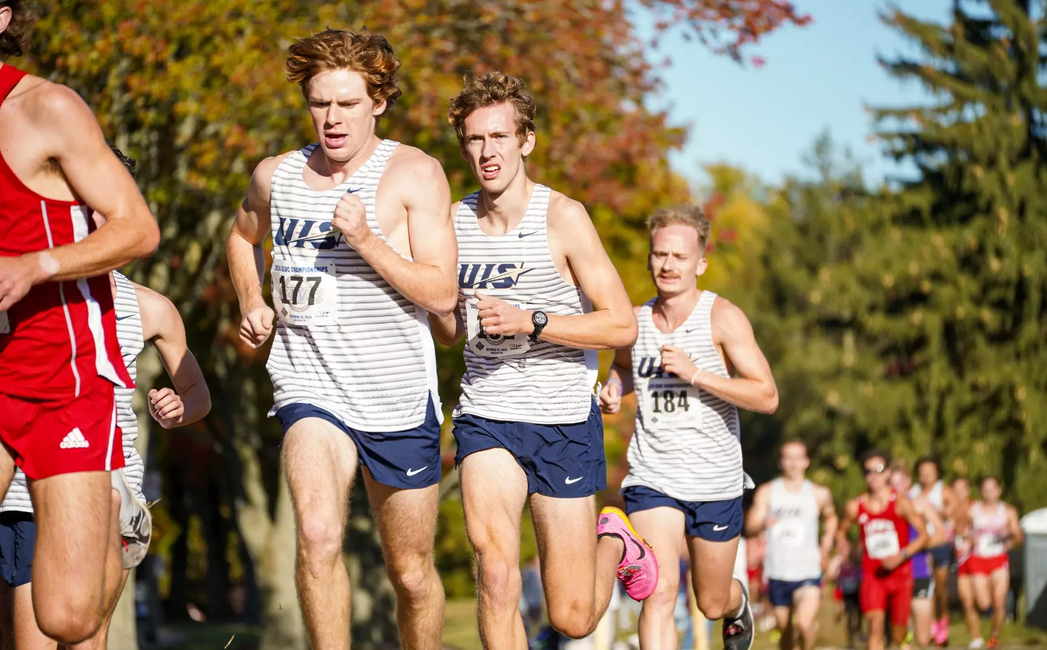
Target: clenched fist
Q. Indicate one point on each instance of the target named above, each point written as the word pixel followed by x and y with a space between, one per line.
pixel 17 277
pixel 166 407
pixel 499 318
pixel 350 218
pixel 257 325
pixel 676 361
pixel 611 397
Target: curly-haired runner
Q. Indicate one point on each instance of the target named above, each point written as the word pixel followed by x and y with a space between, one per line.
pixel 362 248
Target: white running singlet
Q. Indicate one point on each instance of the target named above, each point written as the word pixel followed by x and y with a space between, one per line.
pixel 129 335
pixel 988 530
pixel 510 378
pixel 346 340
pixel 687 442
pixel 934 496
pixel 793 549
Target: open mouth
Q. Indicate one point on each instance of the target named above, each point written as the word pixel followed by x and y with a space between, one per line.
pixel 490 171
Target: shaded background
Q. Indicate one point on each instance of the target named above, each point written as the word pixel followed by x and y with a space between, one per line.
pixel 906 312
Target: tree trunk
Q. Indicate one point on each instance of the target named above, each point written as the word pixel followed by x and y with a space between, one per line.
pixel 123 631
pixel 284 627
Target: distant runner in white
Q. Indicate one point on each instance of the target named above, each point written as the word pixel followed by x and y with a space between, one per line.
pixel 789 508
pixel 695 362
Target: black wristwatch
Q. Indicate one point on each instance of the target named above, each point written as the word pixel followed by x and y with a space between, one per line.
pixel 539 320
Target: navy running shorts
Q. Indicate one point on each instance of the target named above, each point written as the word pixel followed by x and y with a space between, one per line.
pixel 560 460
pixel 781 592
pixel 714 521
pixel 406 460
pixel 17 543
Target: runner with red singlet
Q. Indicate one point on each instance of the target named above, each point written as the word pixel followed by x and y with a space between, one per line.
pixel 59 357
pixel 883 519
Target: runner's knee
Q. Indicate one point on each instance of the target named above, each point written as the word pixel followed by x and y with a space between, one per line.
pixel 714 605
pixel 319 538
pixel 414 580
pixel 499 581
pixel 573 617
pixel 69 618
pixel 664 596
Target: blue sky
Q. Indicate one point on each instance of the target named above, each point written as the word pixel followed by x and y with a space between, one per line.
pixel 815 78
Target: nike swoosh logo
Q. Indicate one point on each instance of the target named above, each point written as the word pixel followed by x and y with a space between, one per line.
pixel 352 191
pixel 120 318
pixel 693 329
pixel 719 528
pixel 412 472
pixel 571 481
pixel 527 234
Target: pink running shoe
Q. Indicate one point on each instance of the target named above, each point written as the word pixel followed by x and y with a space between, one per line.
pixel 638 569
pixel 941 636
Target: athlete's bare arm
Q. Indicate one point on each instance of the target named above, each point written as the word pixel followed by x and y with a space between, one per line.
pixel 757 521
pixel 850 515
pixel 246 259
pixel 190 400
pixel 933 520
pixel 753 387
pixel 619 379
pixel 612 323
pixel 429 278
pixel 830 522
pixel 60 129
pixel 907 511
pixel 948 502
pixel 448 329
pixel 1014 528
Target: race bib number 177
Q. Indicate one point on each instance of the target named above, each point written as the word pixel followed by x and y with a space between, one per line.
pixel 305 295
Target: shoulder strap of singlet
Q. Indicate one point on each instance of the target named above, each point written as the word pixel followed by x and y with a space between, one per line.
pixel 9 78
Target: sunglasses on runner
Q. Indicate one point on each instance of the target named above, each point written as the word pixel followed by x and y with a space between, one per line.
pixel 879 468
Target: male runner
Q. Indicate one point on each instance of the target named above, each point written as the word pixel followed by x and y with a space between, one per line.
pixel 941 496
pixel 695 362
pixel 537 296
pixel 362 247
pixel 790 508
pixel 923 585
pixel 142 315
pixel 59 357
pixel 994 531
pixel 884 518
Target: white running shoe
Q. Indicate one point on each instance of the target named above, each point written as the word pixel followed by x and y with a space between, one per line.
pixel 136 522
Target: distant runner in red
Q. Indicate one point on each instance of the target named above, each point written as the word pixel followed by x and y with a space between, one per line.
pixel 59 356
pixel 883 517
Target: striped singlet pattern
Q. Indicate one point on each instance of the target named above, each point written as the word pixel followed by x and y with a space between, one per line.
pixel 540 383
pixel 129 335
pixel 370 360
pixel 692 458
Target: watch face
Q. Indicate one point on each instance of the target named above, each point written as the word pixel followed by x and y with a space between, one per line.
pixel 540 318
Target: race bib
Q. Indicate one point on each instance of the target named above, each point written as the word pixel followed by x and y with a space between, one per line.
pixel 5 324
pixel 881 544
pixel 305 295
pixel 492 346
pixel 989 545
pixel 670 401
pixel 788 532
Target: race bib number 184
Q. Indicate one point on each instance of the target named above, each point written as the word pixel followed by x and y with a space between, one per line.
pixel 671 401
pixel 306 295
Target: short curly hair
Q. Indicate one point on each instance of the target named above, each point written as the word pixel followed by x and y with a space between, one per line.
pixel 492 89
pixel 13 40
pixel 340 49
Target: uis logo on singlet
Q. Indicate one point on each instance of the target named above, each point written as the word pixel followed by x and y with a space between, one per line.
pixel 648 367
pixel 297 233
pixel 490 276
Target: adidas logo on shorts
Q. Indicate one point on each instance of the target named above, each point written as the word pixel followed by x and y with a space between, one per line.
pixel 74 440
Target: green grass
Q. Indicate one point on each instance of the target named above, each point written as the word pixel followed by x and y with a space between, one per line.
pixel 460 633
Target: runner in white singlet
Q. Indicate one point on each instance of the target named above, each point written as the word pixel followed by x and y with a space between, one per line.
pixel 941 496
pixel 993 531
pixel 789 509
pixel 537 296
pixel 695 363
pixel 363 249
pixel 142 316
